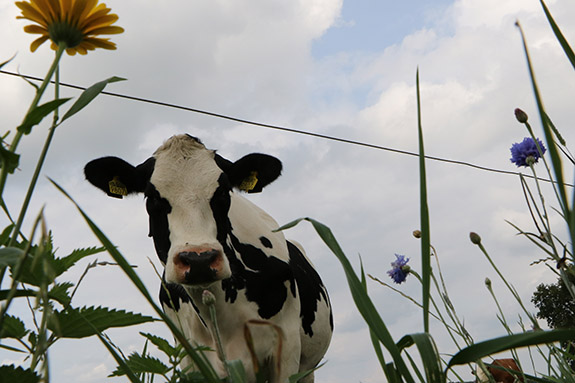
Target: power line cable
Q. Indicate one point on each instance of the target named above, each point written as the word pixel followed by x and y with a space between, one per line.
pixel 282 128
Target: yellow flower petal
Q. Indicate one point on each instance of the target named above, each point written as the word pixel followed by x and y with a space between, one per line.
pixel 113 30
pixel 35 29
pixel 76 23
pixel 101 43
pixel 31 13
pixel 39 41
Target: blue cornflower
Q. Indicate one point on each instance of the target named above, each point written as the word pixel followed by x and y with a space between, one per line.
pixel 400 269
pixel 525 153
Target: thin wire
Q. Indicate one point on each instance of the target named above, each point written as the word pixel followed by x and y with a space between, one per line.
pixel 285 129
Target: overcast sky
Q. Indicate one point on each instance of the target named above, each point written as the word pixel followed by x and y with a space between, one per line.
pixel 344 69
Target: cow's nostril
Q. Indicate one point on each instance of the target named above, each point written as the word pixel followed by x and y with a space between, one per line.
pixel 186 257
pixel 198 267
pixel 191 257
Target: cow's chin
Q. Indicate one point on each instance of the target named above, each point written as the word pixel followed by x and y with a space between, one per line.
pixel 204 278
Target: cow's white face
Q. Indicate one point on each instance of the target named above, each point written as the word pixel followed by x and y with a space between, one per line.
pixel 187 181
pixel 187 189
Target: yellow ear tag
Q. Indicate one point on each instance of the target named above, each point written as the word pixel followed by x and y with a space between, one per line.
pixel 118 188
pixel 249 182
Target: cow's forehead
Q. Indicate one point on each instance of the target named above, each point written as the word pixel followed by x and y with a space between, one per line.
pixel 183 165
pixel 182 144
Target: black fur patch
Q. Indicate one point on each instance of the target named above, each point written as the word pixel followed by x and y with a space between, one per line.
pixel 102 170
pixel 310 287
pixel 266 242
pixel 158 209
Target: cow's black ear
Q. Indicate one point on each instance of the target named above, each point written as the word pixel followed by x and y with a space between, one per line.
pixel 254 171
pixel 118 178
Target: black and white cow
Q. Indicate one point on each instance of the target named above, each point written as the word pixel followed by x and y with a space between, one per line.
pixel 209 237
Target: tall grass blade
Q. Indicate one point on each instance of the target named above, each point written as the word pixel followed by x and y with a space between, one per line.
pixel 362 300
pixel 374 340
pixel 551 145
pixel 424 217
pixel 479 350
pixel 430 357
pixel 564 44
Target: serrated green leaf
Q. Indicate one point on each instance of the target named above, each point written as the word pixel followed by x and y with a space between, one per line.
pixel 40 266
pixel 60 293
pixel 87 321
pixel 161 343
pixel 56 295
pixel 64 264
pixel 142 364
pixel 10 256
pixel 13 327
pixel 36 115
pixel 88 95
pixel 46 267
pixel 8 159
pixel 17 374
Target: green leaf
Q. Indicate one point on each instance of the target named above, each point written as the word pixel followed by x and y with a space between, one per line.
pixel 87 321
pixel 18 374
pixel 300 375
pixel 430 357
pixel 46 267
pixel 60 293
pixel 88 95
pixel 7 61
pixel 5 236
pixel 36 115
pixel 139 364
pixel 13 327
pixel 10 256
pixel 65 263
pixel 8 159
pixel 56 294
pixel 562 41
pixel 237 371
pixel 162 344
pixel 477 351
pixel 424 218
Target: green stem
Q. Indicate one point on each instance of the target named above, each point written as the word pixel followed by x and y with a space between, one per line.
pixel 41 160
pixel 33 105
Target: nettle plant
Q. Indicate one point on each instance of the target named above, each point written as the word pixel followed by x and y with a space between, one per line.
pixel 30 269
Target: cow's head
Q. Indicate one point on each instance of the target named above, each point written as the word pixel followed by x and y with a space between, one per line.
pixel 187 189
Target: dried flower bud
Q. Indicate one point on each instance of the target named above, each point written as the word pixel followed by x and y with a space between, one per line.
pixel 521 116
pixel 417 233
pixel 487 282
pixel 208 298
pixel 475 238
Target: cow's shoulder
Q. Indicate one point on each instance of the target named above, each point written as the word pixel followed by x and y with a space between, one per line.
pixel 251 225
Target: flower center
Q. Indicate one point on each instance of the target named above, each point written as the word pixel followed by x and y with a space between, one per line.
pixel 64 32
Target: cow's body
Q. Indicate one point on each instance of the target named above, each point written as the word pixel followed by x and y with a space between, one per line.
pixel 498 370
pixel 209 237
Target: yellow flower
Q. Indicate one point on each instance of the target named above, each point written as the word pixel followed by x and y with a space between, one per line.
pixel 76 23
